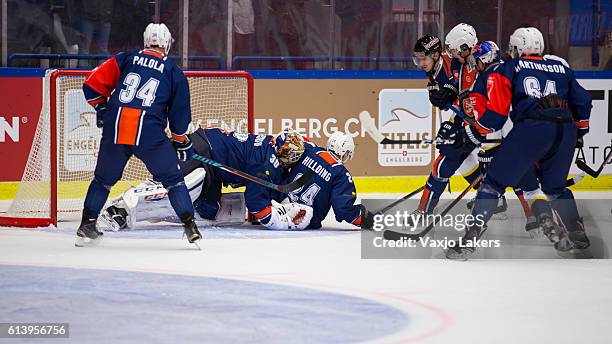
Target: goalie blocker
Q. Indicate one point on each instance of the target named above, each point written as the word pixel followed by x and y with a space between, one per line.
pixel 253 154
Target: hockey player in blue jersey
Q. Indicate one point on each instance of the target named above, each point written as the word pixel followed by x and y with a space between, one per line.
pixel 136 96
pixel 332 185
pixel 257 155
pixel 550 112
pixel 443 83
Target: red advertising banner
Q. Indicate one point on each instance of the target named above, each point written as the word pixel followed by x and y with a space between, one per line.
pixel 20 107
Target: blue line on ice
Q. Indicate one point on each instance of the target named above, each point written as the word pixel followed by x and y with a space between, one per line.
pixel 105 306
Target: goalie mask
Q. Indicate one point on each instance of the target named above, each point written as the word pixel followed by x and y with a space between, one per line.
pixel 341 146
pixel 289 147
pixel 158 35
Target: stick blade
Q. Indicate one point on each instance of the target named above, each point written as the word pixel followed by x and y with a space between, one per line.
pixel 581 164
pixel 367 122
pixel 393 235
pixel 296 184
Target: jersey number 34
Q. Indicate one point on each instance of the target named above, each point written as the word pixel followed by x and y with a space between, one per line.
pixel 146 93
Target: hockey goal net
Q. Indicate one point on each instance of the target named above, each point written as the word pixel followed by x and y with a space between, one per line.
pixel 64 150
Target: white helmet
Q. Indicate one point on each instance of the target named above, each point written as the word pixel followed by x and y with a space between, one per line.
pixel 461 37
pixel 341 146
pixel 526 41
pixel 158 35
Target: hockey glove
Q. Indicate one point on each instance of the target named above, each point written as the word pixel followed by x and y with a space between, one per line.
pixel 448 131
pixel 486 156
pixel 100 111
pixel 442 96
pixel 553 101
pixel 468 139
pixel 367 218
pixel 184 149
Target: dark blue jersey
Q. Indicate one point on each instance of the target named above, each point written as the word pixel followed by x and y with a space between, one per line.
pixel 441 73
pixel 144 92
pixel 253 154
pixel 331 187
pixel 520 82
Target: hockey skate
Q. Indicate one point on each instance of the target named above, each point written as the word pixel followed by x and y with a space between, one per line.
pixel 464 247
pixel 191 232
pixel 567 244
pixel 88 234
pixel 575 243
pixel 532 227
pixel 116 218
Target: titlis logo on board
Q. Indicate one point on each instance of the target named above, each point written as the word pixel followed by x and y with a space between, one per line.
pixel 405 114
pixel 81 136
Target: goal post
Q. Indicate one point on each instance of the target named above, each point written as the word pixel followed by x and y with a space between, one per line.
pixel 64 150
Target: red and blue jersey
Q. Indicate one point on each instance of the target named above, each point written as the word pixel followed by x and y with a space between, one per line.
pixel 441 74
pixel 331 187
pixel 519 83
pixel 464 74
pixel 253 154
pixel 144 92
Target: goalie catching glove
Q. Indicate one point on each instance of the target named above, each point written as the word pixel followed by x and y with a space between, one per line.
pixel 289 216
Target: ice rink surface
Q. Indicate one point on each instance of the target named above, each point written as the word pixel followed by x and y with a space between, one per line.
pixel 249 285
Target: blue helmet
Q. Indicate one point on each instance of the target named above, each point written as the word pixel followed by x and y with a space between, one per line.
pixel 487 52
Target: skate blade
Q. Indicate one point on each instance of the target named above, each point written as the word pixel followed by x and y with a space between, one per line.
pixel 87 242
pixel 535 233
pixel 500 216
pixel 195 243
pixel 576 254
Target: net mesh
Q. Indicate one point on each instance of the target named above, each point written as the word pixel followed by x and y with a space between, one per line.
pixel 220 100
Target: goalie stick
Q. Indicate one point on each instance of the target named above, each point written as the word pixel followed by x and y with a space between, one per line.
pixel 284 188
pixel 393 235
pixel 367 122
pixel 581 164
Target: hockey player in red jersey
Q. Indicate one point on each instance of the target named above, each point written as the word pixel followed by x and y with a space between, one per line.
pixel 136 96
pixel 445 74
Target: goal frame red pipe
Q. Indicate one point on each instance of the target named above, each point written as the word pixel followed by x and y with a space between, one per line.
pixel 32 222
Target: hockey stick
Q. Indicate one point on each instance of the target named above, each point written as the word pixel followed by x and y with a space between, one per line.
pixel 367 122
pixel 581 164
pixel 390 206
pixel 393 235
pixel 284 188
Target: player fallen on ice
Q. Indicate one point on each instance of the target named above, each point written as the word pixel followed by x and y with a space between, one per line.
pixel 136 95
pixel 332 184
pixel 550 112
pixel 254 154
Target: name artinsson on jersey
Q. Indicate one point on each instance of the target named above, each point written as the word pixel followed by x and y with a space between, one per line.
pixel 543 67
pixel 317 168
pixel 149 63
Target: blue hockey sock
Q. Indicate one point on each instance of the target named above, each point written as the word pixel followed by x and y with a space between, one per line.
pixel 566 206
pixel 486 203
pixel 96 197
pixel 432 192
pixel 180 201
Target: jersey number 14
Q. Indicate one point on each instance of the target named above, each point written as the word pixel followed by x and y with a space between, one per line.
pixel 146 93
